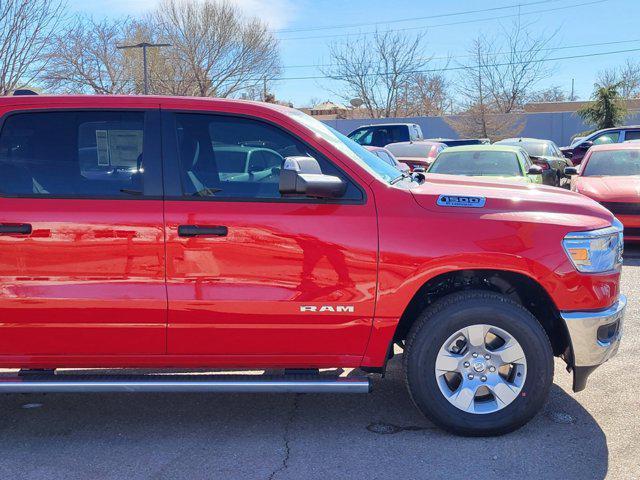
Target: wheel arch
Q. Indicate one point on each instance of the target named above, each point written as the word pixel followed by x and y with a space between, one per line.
pixel 518 286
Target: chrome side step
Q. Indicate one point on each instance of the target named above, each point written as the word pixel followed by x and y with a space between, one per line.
pixel 73 383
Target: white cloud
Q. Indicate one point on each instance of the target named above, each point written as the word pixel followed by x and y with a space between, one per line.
pixel 277 13
pixel 113 7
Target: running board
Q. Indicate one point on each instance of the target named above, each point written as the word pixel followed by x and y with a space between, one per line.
pixel 73 383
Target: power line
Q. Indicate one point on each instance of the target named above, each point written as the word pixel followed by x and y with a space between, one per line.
pixel 400 20
pixel 453 57
pixel 462 22
pixel 447 69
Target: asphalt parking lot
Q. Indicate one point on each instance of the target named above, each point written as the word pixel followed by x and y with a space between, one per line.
pixel 590 435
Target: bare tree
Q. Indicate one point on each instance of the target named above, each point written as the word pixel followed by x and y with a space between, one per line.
pixel 377 69
pixel 627 77
pixel 84 59
pixel 425 95
pixel 26 27
pixel 478 123
pixel 514 63
pixel 551 94
pixel 169 73
pixel 475 101
pixel 216 51
pixel 499 78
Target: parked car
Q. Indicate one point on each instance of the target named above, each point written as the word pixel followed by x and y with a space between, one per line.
pixel 328 263
pixel 577 151
pixel 546 154
pixel 610 175
pixel 501 162
pixel 382 134
pixel 416 154
pixel 244 163
pixel 389 157
pixel 458 142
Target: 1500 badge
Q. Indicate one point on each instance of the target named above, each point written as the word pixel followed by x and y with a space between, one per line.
pixel 460 201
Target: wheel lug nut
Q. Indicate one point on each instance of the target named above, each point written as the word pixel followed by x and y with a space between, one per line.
pixel 466 364
pixel 474 355
pixel 492 369
pixel 483 378
pixel 487 356
pixel 470 377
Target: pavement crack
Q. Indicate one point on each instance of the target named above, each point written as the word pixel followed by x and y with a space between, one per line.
pixel 286 438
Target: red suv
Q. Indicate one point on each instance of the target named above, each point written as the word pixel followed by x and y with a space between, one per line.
pixel 144 232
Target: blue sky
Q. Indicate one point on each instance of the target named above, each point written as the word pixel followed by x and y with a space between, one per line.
pixel 580 25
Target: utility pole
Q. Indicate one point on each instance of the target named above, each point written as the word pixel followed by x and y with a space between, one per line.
pixel 572 98
pixel 144 46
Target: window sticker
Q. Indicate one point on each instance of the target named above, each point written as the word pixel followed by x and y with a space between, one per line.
pixel 102 147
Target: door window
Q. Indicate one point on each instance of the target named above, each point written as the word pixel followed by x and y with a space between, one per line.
pixel 380 136
pixel 72 154
pixel 235 157
pixel 609 137
pixel 632 135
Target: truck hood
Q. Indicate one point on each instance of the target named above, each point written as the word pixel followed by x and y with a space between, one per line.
pixel 514 201
pixel 610 189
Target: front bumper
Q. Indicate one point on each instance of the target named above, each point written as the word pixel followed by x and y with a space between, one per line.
pixel 595 337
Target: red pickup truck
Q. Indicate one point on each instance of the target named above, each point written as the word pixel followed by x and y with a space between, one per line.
pixel 178 233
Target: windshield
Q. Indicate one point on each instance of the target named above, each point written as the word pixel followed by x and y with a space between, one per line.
pixel 367 160
pixel 613 162
pixel 535 149
pixel 477 163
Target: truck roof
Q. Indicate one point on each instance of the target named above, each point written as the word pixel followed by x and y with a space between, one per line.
pixel 124 101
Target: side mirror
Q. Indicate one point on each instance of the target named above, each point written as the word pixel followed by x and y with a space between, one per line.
pixel 303 176
pixel 535 170
pixel 570 171
pixel 585 145
pixel 419 169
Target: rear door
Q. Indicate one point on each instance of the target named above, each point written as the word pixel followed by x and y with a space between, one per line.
pixel 81 233
pixel 252 276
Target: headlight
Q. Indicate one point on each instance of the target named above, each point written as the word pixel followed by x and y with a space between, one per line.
pixel 596 251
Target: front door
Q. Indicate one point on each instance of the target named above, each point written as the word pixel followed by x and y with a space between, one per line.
pixel 251 274
pixel 81 234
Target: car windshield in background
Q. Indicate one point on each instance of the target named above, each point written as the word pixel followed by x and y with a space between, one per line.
pixel 380 136
pixel 353 150
pixel 477 163
pixel 613 162
pixel 535 149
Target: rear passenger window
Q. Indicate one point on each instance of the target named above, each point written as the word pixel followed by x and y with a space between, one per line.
pixel 233 157
pixel 632 135
pixel 72 154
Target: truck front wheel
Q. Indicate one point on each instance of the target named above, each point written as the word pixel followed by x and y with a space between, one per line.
pixel 478 363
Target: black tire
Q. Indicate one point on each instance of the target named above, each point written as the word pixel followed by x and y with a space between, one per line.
pixel 441 320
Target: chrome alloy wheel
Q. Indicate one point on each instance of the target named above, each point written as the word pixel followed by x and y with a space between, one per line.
pixel 481 369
